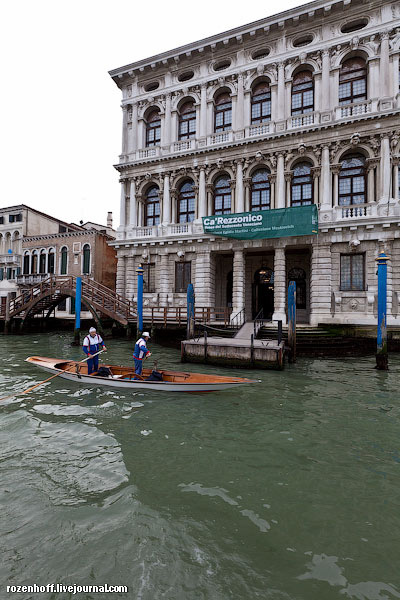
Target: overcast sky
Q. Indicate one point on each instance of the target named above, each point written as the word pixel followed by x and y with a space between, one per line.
pixel 60 110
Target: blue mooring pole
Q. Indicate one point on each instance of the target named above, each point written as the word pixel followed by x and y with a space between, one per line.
pixel 190 312
pixel 292 321
pixel 381 338
pixel 139 272
pixel 78 306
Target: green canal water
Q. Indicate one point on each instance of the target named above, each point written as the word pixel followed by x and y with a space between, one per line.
pixel 285 490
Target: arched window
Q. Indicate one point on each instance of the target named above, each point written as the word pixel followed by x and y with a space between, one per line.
pixel 302 93
pixel 42 262
pixel 50 262
pixel 261 103
pixel 352 181
pixel 352 81
pixel 299 276
pixel 26 263
pixel 222 195
pixel 153 129
pixel 302 185
pixel 152 207
pixel 34 262
pixel 260 190
pixel 187 121
pixel 64 260
pixel 86 259
pixel 186 202
pixel 223 113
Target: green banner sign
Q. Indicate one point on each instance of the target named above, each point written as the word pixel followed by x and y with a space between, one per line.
pixel 264 224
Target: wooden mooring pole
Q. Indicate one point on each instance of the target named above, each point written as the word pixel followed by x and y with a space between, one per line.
pixel 381 338
pixel 292 321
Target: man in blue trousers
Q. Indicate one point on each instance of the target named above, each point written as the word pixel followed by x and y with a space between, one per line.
pixel 92 344
pixel 140 352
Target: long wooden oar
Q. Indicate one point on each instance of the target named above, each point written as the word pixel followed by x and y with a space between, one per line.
pixel 49 378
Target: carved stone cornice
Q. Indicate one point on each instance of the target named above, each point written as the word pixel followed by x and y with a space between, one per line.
pixel 336 168
pixel 316 172
pixel 371 163
pixel 288 176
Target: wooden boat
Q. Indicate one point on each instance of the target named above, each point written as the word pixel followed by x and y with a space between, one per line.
pixel 124 377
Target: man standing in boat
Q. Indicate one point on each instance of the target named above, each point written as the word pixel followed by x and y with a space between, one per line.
pixel 92 344
pixel 140 352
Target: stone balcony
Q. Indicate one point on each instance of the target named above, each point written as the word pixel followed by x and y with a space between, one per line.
pixel 170 230
pixel 340 114
pixel 10 259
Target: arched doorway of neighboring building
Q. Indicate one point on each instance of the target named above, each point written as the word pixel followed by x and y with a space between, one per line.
pixel 263 292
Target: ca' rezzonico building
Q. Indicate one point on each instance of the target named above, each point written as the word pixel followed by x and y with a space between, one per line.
pixel 264 155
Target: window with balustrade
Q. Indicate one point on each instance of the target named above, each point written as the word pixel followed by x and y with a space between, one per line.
pixel 222 113
pixel 186 202
pixel 153 129
pixel 302 185
pixel 187 121
pixel 352 272
pixel 222 195
pixel 152 207
pixel 352 81
pixel 302 93
pixel 261 103
pixel 260 190
pixel 352 181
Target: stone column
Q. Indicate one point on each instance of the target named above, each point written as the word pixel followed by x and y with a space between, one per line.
pixel 239 204
pixel 210 203
pixel 202 210
pixel 274 102
pixel 132 141
pixel 166 125
pixel 384 66
pixel 385 169
pixel 122 207
pixel 396 179
pixel 326 196
pixel 371 166
pixel 174 126
pixel 247 194
pixel 320 284
pixel 316 172
pixel 204 280
pixel 240 105
pixel 166 207
pixel 124 129
pixel 133 205
pixel 280 182
pixel 281 92
pixel 280 285
pixel 233 195
pixel 140 200
pixel 238 297
pixel 140 133
pixel 325 92
pixel 318 92
pixel 288 180
pixel 174 203
pixel 395 74
pixel 272 181
pixel 203 110
pixel 336 170
pixel 130 278
pixel 247 109
pixel 373 79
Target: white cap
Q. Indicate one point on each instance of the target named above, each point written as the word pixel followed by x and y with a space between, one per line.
pixel 92 329
pixel 145 334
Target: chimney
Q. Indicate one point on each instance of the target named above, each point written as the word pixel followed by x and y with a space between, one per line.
pixel 109 219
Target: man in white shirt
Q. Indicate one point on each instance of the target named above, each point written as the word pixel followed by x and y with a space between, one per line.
pixel 92 344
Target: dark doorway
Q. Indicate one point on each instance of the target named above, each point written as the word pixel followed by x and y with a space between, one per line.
pixel 263 292
pixel 229 289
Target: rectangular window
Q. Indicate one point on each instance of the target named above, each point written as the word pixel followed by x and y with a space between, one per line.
pixel 183 273
pixel 149 280
pixel 352 272
pixel 1 220
pixel 15 218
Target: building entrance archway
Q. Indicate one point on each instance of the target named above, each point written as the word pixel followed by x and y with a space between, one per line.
pixel 263 292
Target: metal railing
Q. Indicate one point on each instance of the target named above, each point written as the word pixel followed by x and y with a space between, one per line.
pixel 237 321
pixel 258 322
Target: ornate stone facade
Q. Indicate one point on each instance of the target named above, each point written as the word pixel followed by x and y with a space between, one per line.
pixel 308 100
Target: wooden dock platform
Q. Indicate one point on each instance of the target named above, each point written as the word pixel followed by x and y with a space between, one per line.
pixel 234 352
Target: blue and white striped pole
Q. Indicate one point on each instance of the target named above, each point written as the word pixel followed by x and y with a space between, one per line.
pixel 381 338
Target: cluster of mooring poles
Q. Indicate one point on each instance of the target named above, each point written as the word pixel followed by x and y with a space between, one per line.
pixel 381 350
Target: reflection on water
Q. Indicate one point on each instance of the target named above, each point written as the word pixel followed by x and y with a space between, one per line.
pixel 287 490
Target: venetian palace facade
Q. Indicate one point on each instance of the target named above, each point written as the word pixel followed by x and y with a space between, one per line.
pixel 302 107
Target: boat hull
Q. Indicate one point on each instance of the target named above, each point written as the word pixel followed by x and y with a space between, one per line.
pixel 210 383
